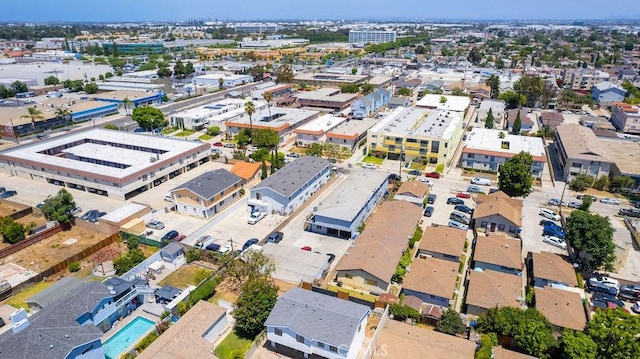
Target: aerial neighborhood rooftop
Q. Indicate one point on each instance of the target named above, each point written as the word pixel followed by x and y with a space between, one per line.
pixel 208 188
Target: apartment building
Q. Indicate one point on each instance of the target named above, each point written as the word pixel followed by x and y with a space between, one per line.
pixel 626 118
pixel 371 37
pixel 579 79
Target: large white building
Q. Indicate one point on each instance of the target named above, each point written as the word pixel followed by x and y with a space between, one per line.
pixel 371 37
pixel 316 131
pixel 213 114
pixel 280 119
pixel 228 80
pixel 110 163
pixel 418 133
pixel 485 149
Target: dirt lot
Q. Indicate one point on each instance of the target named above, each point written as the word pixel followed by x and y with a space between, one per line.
pixel 54 249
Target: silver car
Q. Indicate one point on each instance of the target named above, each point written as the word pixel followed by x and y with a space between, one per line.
pixel 155 225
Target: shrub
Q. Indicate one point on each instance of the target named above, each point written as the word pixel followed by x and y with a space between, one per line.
pixel 74 267
pixel 402 312
pixel 204 291
pixel 463 258
pixel 192 255
pixel 146 341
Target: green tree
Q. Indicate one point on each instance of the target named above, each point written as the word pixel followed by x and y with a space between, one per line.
pixel 354 70
pixel 402 312
pixel 58 207
pixel 535 337
pixel 316 149
pixel 615 334
pixel 263 167
pixel 474 55
pixel 127 104
pixel 443 100
pixel 213 131
pixel 164 72
pixel 220 83
pixel 349 88
pixel 192 255
pixel 12 232
pixel 148 117
pixel 91 88
pixel 489 121
pixel 266 138
pixel 19 87
pixel 577 345
pixel 512 99
pixel 494 82
pixel 250 109
pixel 403 91
pixel 254 305
pixel 601 183
pixel 367 88
pixel 63 113
pixel 531 87
pixel 487 342
pixel 51 80
pixel 451 323
pixel 515 175
pixel 587 201
pixel 34 115
pixel 581 182
pixel 592 235
pixel 268 96
pixel 517 124
pixel 284 74
pixel 619 182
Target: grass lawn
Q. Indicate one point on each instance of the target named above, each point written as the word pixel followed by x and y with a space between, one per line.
pixel 416 166
pixel 205 137
pixel 186 275
pixel 220 294
pixel 373 159
pixel 169 130
pixel 185 133
pixel 231 345
pixel 17 300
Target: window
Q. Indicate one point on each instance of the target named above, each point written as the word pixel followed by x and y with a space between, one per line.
pixel 320 345
pixel 299 338
pixel 512 229
pixel 277 331
pixel 370 282
pixel 333 349
pixel 484 224
pixel 501 227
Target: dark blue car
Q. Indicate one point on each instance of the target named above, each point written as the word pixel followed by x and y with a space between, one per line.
pixel 553 231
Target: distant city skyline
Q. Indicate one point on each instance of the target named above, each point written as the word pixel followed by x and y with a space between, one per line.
pixel 148 10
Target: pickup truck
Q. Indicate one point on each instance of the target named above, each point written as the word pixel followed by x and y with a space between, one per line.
pixel 256 217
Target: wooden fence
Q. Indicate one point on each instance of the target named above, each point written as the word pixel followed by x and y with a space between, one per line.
pixel 29 241
pixel 64 264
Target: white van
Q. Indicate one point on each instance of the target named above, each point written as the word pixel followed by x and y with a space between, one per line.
pixel 481 181
pixel 168 197
pixel 549 214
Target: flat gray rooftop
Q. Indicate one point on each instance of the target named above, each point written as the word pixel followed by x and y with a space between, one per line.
pixel 353 127
pixel 414 121
pixel 280 116
pixel 348 198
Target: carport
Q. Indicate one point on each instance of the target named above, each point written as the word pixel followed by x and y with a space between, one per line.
pixel 294 264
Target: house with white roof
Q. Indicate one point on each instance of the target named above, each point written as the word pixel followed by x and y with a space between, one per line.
pixel 316 130
pixel 486 149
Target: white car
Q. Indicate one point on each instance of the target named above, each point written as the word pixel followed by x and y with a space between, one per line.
pixel 369 166
pixel 599 281
pixel 549 214
pixel 555 241
pixel 610 201
pixel 636 307
pixel 427 181
pixel 256 217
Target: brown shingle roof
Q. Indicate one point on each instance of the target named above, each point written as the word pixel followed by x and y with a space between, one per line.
pixel 499 250
pixel 499 203
pixel 443 239
pixel 415 188
pixel 432 276
pixel 562 308
pixel 524 117
pixel 580 142
pixel 551 118
pixel 379 248
pixel 401 340
pixel 551 266
pixel 502 353
pixel 491 289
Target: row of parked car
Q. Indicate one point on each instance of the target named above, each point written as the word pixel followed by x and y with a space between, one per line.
pixel 608 293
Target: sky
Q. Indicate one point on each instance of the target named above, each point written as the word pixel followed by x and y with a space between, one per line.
pixel 176 10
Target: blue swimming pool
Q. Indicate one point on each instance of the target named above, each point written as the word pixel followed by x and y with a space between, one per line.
pixel 126 337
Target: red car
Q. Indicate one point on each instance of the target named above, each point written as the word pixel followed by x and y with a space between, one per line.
pixel 463 195
pixel 306 248
pixel 180 238
pixel 432 174
pixel 218 144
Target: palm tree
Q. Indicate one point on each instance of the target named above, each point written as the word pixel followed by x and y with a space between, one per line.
pixel 126 103
pixel 494 82
pixel 63 113
pixel 34 114
pixel 250 109
pixel 268 96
